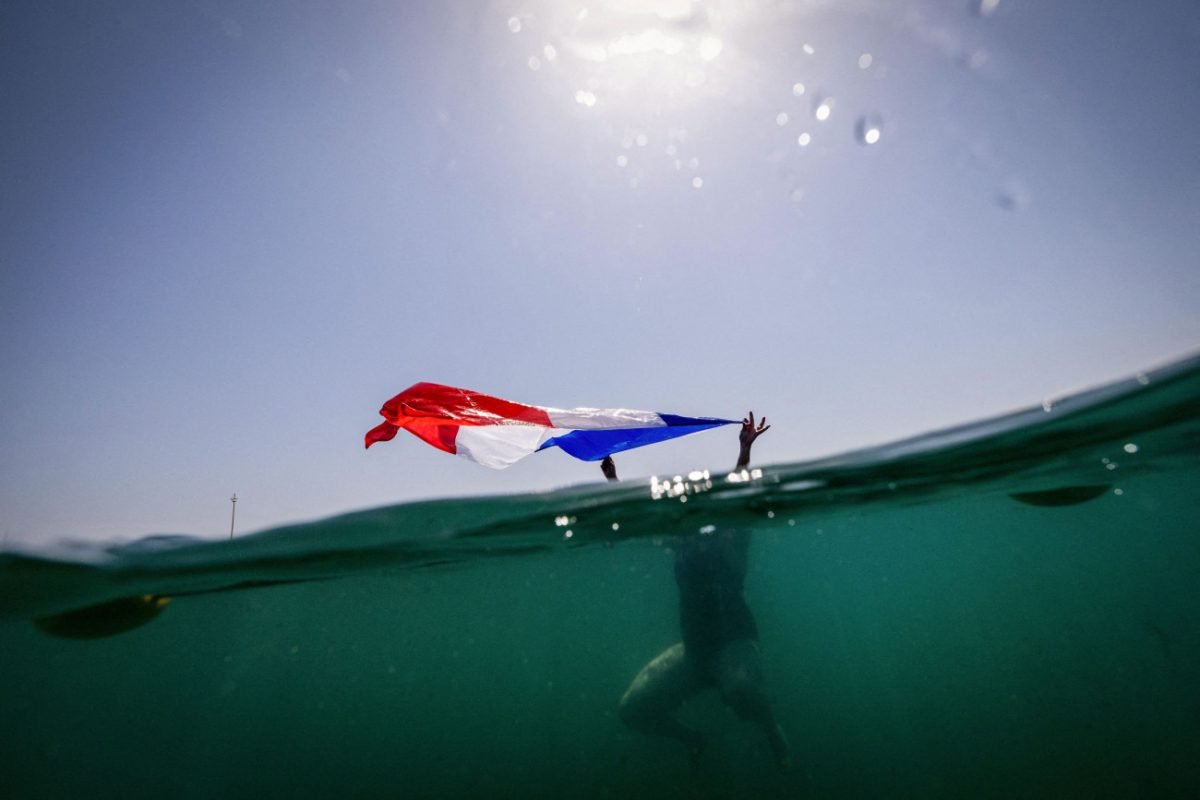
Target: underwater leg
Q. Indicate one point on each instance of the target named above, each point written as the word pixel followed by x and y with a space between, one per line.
pixel 740 679
pixel 658 690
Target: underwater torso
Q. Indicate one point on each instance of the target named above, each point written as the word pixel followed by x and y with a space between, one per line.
pixel 710 571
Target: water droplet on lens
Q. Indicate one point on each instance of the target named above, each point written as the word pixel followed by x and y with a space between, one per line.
pixel 1013 195
pixel 710 48
pixel 514 24
pixel 869 128
pixel 697 182
pixel 535 63
pixel 864 61
pixel 804 139
pixel 974 60
pixel 797 89
pixel 822 108
pixel 985 8
pixel 781 118
pixel 622 160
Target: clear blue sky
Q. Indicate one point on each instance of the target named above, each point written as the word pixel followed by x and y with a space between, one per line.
pixel 230 232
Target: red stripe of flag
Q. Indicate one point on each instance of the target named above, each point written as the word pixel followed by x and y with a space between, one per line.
pixel 425 403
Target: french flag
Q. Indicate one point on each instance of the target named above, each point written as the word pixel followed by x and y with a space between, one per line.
pixel 498 433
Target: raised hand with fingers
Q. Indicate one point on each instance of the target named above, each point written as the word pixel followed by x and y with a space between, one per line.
pixel 747 435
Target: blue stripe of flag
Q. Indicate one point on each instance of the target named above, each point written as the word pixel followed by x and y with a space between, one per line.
pixel 594 445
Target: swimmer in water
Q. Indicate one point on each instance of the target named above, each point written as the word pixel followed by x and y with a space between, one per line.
pixel 720 640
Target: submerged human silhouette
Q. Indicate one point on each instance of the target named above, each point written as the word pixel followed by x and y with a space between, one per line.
pixel 720 640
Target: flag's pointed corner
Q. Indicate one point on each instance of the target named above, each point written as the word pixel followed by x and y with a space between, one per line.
pixel 383 432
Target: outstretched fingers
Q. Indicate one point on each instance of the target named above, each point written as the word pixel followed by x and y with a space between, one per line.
pixel 748 421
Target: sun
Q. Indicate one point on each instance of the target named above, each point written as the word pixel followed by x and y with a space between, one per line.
pixel 622 55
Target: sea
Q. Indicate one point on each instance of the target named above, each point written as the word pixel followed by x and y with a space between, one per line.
pixel 1007 609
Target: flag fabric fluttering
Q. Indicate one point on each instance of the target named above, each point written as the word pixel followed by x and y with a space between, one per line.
pixel 498 433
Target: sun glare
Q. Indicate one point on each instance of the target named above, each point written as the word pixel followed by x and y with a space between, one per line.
pixel 628 56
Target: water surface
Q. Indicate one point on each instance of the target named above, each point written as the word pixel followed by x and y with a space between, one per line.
pixel 1010 608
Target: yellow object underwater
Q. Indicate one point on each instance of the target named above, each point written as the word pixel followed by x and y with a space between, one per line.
pixel 104 619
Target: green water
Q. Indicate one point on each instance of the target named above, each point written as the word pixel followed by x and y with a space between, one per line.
pixel 924 633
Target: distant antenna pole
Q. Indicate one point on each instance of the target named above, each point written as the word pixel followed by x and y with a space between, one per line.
pixel 232 513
